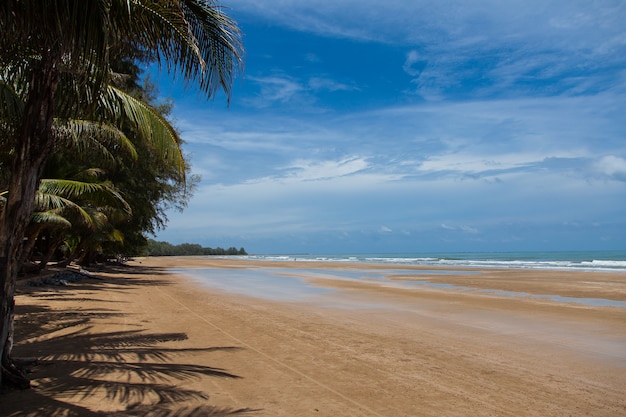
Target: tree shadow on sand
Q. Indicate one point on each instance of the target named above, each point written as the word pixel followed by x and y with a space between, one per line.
pixel 130 369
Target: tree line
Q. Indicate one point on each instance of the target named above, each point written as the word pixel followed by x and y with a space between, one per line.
pixel 155 248
pixel 89 162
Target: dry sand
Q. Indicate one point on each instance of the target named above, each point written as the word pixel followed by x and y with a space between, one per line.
pixel 140 341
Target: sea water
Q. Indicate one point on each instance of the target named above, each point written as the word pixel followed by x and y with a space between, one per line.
pixel 575 260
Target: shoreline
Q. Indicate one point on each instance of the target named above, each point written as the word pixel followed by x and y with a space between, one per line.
pixel 609 285
pixel 143 340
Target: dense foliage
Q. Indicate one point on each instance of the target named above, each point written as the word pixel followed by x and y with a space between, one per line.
pixel 155 248
pixel 88 161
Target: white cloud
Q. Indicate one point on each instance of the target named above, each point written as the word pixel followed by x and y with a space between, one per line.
pixel 462 228
pixel 612 166
pixel 469 229
pixel 319 83
pixel 360 200
pixel 287 90
pixel 476 164
pixel 307 170
pixel 411 59
pixel 468 138
pixel 276 89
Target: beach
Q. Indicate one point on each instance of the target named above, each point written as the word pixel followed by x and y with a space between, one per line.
pixel 150 339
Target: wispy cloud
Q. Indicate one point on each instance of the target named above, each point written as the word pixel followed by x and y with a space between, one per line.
pixel 274 89
pixel 463 228
pixel 410 67
pixel 474 138
pixel 320 83
pixel 307 170
pixel 484 46
pixel 288 90
pixel 450 20
pixel 417 121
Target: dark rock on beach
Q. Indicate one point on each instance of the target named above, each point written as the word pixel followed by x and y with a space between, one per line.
pixel 61 278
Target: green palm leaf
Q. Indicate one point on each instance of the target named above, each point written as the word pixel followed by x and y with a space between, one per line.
pixel 193 37
pixel 50 218
pixel 87 134
pixel 51 203
pixel 99 194
pixel 11 105
pixel 150 125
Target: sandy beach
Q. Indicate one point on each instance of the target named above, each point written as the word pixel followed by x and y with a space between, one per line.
pixel 141 340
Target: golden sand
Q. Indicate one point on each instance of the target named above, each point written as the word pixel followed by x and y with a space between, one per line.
pixel 141 341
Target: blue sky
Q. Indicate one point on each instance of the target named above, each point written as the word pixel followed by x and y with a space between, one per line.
pixel 359 126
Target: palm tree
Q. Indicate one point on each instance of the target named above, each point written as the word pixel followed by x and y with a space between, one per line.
pixel 55 65
pixel 85 209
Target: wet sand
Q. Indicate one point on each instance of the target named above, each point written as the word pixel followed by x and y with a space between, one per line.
pixel 143 341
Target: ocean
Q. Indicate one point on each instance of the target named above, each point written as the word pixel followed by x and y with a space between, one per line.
pixel 607 261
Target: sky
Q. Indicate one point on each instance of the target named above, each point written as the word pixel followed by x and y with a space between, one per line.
pixel 360 126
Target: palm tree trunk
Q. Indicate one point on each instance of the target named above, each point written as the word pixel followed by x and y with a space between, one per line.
pixel 52 247
pixel 34 143
pixel 29 246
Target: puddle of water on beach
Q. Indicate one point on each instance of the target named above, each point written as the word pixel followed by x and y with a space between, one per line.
pixel 279 284
pixel 592 302
pixel 261 283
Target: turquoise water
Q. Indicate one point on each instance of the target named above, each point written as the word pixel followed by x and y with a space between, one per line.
pixel 581 261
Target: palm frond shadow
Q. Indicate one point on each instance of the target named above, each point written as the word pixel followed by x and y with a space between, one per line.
pixel 132 270
pixel 97 281
pixel 200 411
pixel 130 368
pixel 126 393
pixel 34 321
pixel 152 373
pixel 39 404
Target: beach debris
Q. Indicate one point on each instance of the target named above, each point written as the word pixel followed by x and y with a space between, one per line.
pixel 62 278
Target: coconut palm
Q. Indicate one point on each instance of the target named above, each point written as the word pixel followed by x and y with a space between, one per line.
pixel 55 65
pixel 84 209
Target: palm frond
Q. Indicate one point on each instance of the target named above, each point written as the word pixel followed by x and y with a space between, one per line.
pixel 102 137
pixel 116 235
pixel 69 188
pixel 11 105
pixel 46 202
pixel 74 32
pixel 193 37
pixel 100 219
pixel 50 218
pixel 89 174
pixel 150 125
pixel 219 40
pixel 3 200
pixel 102 193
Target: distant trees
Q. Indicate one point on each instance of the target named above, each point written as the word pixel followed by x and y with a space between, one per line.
pixel 155 248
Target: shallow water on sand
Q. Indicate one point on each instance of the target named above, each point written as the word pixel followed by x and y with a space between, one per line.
pixel 290 285
pixel 258 282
